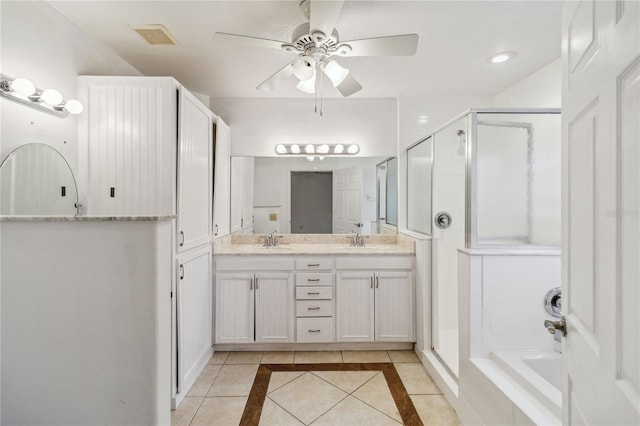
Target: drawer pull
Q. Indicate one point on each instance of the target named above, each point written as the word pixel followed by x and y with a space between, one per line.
pixel 313 280
pixel 313 308
pixel 313 265
pixel 312 293
pixel 314 331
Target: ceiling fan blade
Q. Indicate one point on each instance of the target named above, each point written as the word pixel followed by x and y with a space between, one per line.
pixel 276 79
pixel 349 86
pixel 323 16
pixel 398 45
pixel 248 41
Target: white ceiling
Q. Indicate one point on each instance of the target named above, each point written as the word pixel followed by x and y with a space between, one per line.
pixel 456 38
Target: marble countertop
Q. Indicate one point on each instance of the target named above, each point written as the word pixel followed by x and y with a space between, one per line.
pixel 82 218
pixel 315 249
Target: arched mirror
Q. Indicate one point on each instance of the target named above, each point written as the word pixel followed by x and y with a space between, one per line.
pixel 35 179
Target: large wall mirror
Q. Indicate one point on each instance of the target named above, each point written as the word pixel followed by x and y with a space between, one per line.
pixel 36 180
pixel 293 195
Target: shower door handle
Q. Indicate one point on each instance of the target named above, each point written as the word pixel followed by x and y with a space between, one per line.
pixel 442 220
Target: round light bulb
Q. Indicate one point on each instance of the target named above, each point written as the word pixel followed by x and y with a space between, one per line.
pixel 51 97
pixel 309 149
pixel 23 86
pixel 323 149
pixel 295 149
pixel 338 149
pixel 281 149
pixel 353 149
pixel 304 68
pixel 73 106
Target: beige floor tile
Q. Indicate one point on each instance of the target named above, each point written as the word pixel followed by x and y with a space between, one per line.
pixel 348 381
pixel 317 357
pixel 376 393
pixel 220 411
pixel 244 358
pixel 183 415
pixel 205 380
pixel 307 397
pixel 351 411
pixel 365 356
pixel 218 358
pixel 274 415
pixel 416 380
pixel 277 358
pixel 281 378
pixel 434 410
pixel 234 380
pixel 403 356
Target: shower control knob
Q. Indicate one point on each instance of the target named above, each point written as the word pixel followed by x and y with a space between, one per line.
pixel 443 220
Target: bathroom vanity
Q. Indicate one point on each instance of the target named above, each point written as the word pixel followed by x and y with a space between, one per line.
pixel 313 292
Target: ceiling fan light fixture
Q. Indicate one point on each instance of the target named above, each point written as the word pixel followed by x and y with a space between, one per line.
pixel 343 49
pixel 335 72
pixel 308 86
pixel 304 68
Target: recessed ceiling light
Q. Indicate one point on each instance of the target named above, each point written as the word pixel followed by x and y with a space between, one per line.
pixel 423 119
pixel 501 57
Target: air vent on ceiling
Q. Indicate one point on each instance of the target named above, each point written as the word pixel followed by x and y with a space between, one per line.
pixel 155 34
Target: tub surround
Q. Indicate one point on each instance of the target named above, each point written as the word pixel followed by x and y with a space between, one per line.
pixel 314 244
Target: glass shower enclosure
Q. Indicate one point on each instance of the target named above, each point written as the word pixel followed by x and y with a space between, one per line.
pixel 495 183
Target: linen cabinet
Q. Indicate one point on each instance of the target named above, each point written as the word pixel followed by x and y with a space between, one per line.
pixel 146 148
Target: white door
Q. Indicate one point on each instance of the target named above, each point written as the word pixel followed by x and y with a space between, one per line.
pixel 355 301
pixel 222 177
pixel 601 231
pixel 194 172
pixel 394 306
pixel 194 306
pixel 347 199
pixel 274 307
pixel 234 307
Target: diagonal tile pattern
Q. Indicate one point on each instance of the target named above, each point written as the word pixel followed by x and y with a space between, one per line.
pixel 297 391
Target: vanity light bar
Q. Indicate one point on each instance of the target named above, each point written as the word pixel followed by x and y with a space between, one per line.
pixel 25 92
pixel 322 150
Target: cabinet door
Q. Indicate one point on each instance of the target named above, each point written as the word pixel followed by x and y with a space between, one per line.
pixel 274 307
pixel 221 190
pixel 394 306
pixel 127 145
pixel 194 310
pixel 234 307
pixel 194 172
pixel 355 299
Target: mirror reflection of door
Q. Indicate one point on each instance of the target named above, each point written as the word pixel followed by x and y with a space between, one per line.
pixel 311 202
pixel 347 200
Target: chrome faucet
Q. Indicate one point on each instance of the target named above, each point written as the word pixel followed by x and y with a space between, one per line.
pixel 357 240
pixel 271 240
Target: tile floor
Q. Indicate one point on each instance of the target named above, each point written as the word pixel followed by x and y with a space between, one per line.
pixel 332 398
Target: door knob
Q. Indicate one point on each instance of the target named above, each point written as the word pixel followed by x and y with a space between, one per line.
pixel 443 220
pixel 554 326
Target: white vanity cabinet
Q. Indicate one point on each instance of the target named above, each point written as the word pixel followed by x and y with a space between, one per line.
pixel 254 305
pixel 375 299
pixel 314 300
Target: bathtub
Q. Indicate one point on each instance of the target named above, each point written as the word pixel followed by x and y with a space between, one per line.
pixel 538 374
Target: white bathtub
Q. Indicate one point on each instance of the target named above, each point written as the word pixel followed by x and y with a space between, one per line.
pixel 537 373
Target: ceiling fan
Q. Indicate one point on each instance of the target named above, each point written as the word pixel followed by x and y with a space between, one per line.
pixel 317 44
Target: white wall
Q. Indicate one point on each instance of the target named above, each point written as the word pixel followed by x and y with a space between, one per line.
pixel 42 45
pixel 258 125
pixel 86 314
pixel 541 89
pixel 272 182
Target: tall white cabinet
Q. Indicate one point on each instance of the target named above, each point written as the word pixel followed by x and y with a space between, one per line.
pixel 146 147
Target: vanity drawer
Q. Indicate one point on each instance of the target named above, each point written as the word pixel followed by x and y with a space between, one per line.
pixel 310 293
pixel 314 278
pixel 314 308
pixel 314 264
pixel 315 330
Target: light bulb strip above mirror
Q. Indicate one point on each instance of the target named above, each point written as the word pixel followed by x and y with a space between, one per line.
pixel 321 150
pixel 50 101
